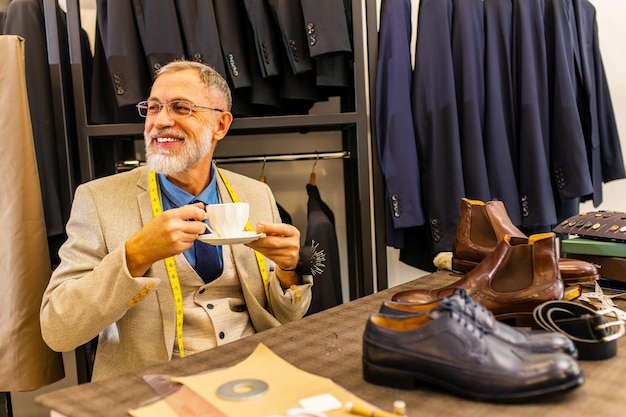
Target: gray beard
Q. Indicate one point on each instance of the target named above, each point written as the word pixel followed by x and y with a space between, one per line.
pixel 192 152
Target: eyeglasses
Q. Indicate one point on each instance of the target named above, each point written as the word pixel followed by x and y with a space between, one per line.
pixel 176 108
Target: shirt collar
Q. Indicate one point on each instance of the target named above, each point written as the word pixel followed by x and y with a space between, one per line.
pixel 179 197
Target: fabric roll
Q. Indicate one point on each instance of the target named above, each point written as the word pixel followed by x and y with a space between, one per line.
pixel 27 362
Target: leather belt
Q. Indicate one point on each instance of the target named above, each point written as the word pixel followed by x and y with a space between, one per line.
pixel 594 332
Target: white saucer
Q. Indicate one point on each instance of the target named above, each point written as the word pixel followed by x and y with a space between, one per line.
pixel 244 237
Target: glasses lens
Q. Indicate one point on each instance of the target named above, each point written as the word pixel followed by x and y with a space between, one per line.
pixel 180 108
pixel 142 108
pixel 177 108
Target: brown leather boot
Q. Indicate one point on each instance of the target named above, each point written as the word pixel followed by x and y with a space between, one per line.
pixel 483 224
pixel 520 274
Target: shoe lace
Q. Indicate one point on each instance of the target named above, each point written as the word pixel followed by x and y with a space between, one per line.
pixel 463 309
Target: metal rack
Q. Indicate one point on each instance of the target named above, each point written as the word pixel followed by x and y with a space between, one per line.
pixel 363 228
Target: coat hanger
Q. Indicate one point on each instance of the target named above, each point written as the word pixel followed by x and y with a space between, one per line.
pixel 262 177
pixel 312 179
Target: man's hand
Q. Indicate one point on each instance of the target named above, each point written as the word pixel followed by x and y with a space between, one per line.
pixel 282 245
pixel 171 233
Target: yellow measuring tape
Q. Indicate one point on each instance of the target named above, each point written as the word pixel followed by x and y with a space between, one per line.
pixel 170 265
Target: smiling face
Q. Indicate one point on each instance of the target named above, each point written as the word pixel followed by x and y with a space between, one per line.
pixel 176 145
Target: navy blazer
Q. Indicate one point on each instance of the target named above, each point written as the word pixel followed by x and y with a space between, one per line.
pixel 568 152
pixel 395 136
pixel 531 100
pixel 499 129
pixel 603 145
pixel 435 120
pixel 468 60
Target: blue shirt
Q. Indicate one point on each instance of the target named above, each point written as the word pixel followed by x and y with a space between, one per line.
pixel 173 197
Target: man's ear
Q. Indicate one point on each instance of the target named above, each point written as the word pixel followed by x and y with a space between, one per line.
pixel 222 124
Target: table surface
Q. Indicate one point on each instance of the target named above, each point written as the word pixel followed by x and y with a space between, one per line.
pixel 329 344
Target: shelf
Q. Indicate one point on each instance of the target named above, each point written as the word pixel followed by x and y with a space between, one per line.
pixel 249 125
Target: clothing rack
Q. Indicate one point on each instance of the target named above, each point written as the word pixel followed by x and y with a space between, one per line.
pixel 282 158
pixel 366 274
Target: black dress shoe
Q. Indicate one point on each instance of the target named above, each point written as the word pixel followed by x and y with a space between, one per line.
pixel 533 340
pixel 447 349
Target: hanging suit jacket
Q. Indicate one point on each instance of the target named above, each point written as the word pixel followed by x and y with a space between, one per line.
pixel 229 18
pixel 298 84
pixel 264 93
pixel 27 362
pixel 290 20
pixel 266 42
pixel 568 150
pixel 200 35
pixel 326 26
pixel 436 123
pixel 132 335
pixel 321 231
pixel 125 58
pixel 159 31
pixel 604 149
pixel 499 130
pixel 25 18
pixel 531 100
pixel 395 134
pixel 468 56
pixel 329 44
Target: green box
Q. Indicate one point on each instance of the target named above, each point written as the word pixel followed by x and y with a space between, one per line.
pixel 593 247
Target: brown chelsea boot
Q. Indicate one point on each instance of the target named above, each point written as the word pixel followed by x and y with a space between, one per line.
pixel 520 274
pixel 483 224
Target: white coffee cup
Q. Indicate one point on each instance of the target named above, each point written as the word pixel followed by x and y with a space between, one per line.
pixel 227 219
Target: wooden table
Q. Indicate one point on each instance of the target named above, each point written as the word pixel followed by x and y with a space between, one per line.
pixel 329 344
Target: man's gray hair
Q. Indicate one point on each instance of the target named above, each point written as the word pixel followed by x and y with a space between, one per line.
pixel 211 78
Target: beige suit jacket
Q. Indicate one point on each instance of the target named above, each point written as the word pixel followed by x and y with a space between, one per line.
pixel 91 293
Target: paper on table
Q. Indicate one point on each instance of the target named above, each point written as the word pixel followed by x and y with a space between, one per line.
pixel 287 385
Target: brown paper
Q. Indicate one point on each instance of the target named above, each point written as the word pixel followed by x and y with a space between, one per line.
pixel 287 386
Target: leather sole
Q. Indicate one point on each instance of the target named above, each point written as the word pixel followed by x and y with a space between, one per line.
pixel 405 379
pixel 462 266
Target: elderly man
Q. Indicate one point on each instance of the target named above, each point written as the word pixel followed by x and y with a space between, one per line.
pixel 132 271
